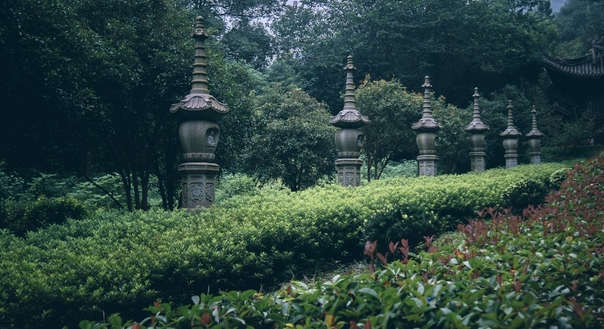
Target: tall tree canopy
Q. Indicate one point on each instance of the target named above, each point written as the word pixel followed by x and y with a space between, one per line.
pixel 459 44
pixel 581 26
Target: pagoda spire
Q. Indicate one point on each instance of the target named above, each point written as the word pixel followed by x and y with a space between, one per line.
pixel 534 139
pixel 427 128
pixel 349 139
pixel 198 132
pixel 477 129
pixel 427 122
pixel 200 75
pixel 510 142
pixel 199 104
pixel 349 117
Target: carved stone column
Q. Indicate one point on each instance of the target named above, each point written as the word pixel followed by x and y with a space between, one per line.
pixel 534 140
pixel 427 129
pixel 198 131
pixel 349 139
pixel 477 129
pixel 510 141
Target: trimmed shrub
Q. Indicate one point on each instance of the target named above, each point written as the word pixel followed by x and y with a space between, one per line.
pixel 114 262
pixel 557 177
pixel 542 270
pixel 21 218
pixel 526 192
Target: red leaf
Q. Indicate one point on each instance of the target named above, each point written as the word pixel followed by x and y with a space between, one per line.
pixel 205 319
pixel 382 258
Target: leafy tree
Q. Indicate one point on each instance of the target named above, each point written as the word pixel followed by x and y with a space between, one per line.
pixel 392 111
pixel 250 42
pixel 452 145
pixel 294 141
pixel 581 25
pixel 459 44
pixel 43 54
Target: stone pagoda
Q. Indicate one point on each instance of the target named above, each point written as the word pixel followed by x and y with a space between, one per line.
pixel 534 140
pixel 477 129
pixel 427 129
pixel 510 141
pixel 349 139
pixel 198 131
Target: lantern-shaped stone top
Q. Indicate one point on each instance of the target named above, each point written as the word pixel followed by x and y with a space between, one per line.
pixel 476 125
pixel 427 122
pixel 349 117
pixel 534 133
pixel 511 130
pixel 199 104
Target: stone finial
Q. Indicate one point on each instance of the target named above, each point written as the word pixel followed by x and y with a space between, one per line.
pixel 349 117
pixel 511 129
pixel 427 122
pixel 534 133
pixel 476 125
pixel 199 103
pixel 349 102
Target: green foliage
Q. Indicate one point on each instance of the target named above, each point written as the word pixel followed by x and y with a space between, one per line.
pixel 524 193
pixel 22 217
pixel 405 168
pixel 115 261
pixel 541 270
pixel 494 43
pixel 230 185
pixel 557 177
pixel 249 42
pixel 392 110
pixel 28 204
pixel 293 141
pixel 580 24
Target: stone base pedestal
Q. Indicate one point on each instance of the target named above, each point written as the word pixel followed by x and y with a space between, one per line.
pixel 427 165
pixel 198 180
pixel 511 160
pixel 478 161
pixel 535 157
pixel 349 171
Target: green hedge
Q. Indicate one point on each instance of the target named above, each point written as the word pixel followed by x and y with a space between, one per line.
pixel 542 270
pixel 118 261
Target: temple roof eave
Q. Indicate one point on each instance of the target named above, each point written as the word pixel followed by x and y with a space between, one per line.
pixel 583 67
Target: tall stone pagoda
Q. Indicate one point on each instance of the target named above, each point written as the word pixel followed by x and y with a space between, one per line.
pixel 477 129
pixel 349 139
pixel 427 129
pixel 534 139
pixel 198 131
pixel 510 141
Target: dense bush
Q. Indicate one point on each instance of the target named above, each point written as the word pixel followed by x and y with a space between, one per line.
pixel 526 192
pixel 542 270
pixel 22 217
pixel 115 262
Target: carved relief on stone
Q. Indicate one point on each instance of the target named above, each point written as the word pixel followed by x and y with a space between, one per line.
pixel 210 192
pixel 349 179
pixel 196 191
pixel 185 194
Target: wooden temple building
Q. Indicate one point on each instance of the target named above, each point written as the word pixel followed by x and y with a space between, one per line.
pixel 578 83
